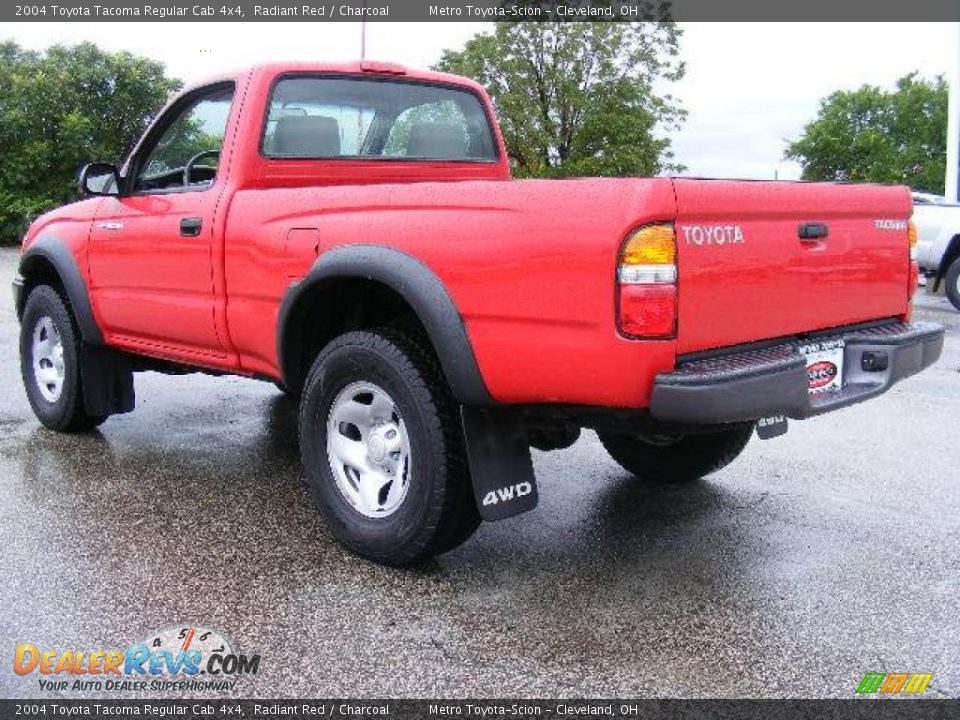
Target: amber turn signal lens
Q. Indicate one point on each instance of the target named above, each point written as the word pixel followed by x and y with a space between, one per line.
pixel 650 245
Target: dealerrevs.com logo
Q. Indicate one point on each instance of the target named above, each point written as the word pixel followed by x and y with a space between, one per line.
pixel 175 658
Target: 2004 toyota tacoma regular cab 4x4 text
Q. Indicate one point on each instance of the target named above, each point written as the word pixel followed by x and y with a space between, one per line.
pixel 351 232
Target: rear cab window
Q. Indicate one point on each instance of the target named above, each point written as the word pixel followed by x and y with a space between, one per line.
pixel 312 117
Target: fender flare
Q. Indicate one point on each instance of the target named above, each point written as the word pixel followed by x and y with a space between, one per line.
pixel 56 252
pixel 951 251
pixel 417 285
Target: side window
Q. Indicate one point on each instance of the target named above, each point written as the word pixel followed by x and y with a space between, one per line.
pixel 187 153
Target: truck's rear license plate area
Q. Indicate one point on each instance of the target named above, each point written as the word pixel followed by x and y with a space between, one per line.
pixel 824 365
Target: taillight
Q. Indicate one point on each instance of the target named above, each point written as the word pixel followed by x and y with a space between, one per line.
pixel 912 236
pixel 647 283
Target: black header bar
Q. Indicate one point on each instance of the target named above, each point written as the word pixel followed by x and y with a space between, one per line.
pixel 482 11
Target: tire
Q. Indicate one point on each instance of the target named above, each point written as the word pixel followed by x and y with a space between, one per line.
pixel 432 510
pixel 677 459
pixel 50 362
pixel 952 280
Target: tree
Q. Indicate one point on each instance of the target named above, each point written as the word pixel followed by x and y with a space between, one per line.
pixel 579 98
pixel 874 135
pixel 60 109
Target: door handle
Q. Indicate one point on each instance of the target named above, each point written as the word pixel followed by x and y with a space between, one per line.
pixel 190 227
pixel 811 232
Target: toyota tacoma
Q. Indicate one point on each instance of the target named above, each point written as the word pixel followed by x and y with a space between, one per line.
pixel 352 234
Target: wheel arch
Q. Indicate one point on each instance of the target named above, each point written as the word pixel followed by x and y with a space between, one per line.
pixel 49 259
pixel 374 273
pixel 950 253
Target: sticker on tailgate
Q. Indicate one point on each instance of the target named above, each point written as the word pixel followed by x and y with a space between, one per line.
pixel 824 365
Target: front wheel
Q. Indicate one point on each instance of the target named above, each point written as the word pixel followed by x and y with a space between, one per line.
pixel 50 363
pixel 677 458
pixel 383 448
pixel 953 283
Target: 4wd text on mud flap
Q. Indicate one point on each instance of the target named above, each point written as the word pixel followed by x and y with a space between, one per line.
pixel 508 493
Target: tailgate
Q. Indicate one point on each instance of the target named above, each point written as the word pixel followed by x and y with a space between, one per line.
pixel 744 274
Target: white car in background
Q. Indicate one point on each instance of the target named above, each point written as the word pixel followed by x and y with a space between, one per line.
pixel 938 242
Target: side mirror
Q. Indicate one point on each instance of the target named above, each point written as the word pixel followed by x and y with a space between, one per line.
pixel 99 179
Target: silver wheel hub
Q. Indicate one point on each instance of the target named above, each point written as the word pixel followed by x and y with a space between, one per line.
pixel 368 449
pixel 47 352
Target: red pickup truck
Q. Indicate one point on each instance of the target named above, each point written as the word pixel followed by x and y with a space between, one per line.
pixel 352 233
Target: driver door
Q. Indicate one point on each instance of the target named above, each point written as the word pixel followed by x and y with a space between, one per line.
pixel 152 249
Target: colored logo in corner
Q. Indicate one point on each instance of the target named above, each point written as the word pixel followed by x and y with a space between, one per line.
pixel 175 658
pixel 894 683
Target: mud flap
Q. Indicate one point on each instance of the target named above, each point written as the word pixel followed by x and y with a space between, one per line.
pixel 771 427
pixel 107 381
pixel 500 464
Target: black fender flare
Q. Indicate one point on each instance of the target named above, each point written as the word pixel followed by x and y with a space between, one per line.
pixel 56 252
pixel 416 284
pixel 950 253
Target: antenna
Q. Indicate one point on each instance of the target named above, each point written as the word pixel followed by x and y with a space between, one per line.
pixel 363 33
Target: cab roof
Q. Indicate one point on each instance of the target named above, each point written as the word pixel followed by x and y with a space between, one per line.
pixel 357 67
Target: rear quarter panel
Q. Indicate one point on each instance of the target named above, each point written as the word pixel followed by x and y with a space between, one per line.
pixel 529 264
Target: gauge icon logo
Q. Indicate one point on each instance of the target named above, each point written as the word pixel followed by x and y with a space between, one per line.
pixel 184 638
pixel 191 650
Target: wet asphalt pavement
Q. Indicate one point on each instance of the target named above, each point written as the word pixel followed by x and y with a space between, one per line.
pixel 814 558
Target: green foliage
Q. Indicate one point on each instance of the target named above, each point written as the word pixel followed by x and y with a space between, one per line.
pixel 579 98
pixel 60 109
pixel 873 135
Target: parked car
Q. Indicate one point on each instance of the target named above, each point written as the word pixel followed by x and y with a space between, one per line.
pixel 938 243
pixel 352 233
pixel 925 198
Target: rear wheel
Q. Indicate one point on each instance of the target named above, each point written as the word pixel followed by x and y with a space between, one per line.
pixel 676 458
pixel 953 283
pixel 383 448
pixel 50 363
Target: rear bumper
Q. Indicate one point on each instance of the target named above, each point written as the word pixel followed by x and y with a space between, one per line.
pixel 748 384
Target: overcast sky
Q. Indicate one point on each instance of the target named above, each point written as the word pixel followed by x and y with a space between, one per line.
pixel 749 87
